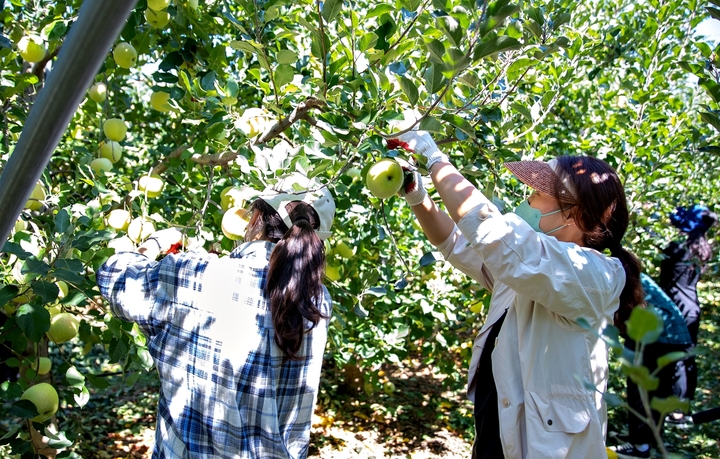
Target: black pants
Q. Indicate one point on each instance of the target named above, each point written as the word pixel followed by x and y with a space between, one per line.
pixel 686 370
pixel 487 422
pixel 640 433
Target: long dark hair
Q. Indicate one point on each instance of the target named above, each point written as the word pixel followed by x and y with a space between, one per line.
pixel 602 215
pixel 297 268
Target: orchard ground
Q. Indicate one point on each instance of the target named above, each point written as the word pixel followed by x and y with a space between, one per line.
pixel 419 419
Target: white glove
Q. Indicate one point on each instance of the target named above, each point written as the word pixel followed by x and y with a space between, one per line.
pixel 419 142
pixel 413 189
pixel 161 242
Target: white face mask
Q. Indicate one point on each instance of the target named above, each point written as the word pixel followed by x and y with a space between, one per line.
pixel 532 216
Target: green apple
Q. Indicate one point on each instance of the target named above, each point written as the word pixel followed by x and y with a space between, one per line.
pixel 159 101
pixel 111 150
pixel 158 5
pixel 152 185
pixel 140 229
pixel 119 219
pixel 157 19
pixel 54 310
pixel 32 48
pixel 332 272
pixel 232 196
pixel 45 398
pixel 125 55
pixel 389 387
pixel 353 172
pixel 62 289
pixel 63 327
pixel 234 223
pixel 115 129
pixel 20 225
pixel 193 4
pixel 384 178
pixel 42 365
pixel 98 92
pixel 343 250
pixel 36 197
pixel 101 165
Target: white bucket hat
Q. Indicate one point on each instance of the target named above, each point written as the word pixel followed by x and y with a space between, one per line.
pixel 297 187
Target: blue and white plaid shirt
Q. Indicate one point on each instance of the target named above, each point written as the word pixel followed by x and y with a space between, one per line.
pixel 226 392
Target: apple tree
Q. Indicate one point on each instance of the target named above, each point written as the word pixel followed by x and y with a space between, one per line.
pixel 199 100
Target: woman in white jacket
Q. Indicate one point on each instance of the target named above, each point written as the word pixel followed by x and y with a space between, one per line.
pixel 533 365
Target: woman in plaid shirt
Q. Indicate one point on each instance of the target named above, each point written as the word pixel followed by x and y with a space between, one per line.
pixel 238 341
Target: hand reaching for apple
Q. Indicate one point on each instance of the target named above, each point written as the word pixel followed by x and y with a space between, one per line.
pixel 419 142
pixel 162 242
pixel 413 189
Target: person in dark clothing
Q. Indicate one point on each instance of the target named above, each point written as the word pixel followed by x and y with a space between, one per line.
pixel 674 338
pixel 680 271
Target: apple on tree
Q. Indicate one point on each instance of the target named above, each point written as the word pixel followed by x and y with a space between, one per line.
pixel 158 5
pixel 332 272
pixel 45 398
pixel 151 184
pixel 42 365
pixel 111 150
pixel 385 178
pixel 115 129
pixel 159 101
pixel 63 327
pixel 36 197
pixel 119 219
pixel 234 223
pixel 31 48
pixel 343 250
pixel 98 92
pixel 140 229
pixel 125 55
pixel 101 165
pixel 157 19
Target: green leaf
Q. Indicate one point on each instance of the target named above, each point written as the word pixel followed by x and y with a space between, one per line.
pixel 672 357
pixel 409 88
pixel 34 321
pixel 536 14
pixel 612 399
pixel 34 267
pixel 534 28
pixel 640 375
pixel 711 119
pixel 97 381
pixel 284 74
pixel 246 46
pixel 460 123
pixel 434 79
pixel 367 41
pixel 436 50
pixel 74 377
pixel 644 325
pixel 62 221
pixel 286 56
pixel 430 124
pixel 58 440
pixel 495 45
pixel 15 249
pixel 47 291
pixel 430 258
pixel 669 404
pixel 452 29
pixel 560 19
pixel 714 12
pixel 24 409
pixel 330 9
pixel 83 397
pixel 7 293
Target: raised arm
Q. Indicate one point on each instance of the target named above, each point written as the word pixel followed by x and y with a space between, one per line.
pixel 456 192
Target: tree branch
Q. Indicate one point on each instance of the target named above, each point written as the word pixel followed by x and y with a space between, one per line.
pixel 225 157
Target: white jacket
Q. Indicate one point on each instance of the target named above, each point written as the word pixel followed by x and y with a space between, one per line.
pixel 544 362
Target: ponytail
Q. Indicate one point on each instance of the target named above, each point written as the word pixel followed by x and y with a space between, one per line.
pixel 632 294
pixel 294 285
